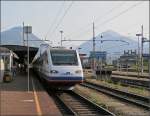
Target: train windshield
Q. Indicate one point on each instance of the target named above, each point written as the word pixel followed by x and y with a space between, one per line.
pixel 64 57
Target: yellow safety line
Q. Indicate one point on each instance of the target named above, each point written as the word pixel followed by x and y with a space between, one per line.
pixel 38 108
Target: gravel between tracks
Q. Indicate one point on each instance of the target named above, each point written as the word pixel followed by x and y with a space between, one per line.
pixel 113 105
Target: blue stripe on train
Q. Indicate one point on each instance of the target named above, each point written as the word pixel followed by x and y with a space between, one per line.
pixel 61 78
pixel 65 78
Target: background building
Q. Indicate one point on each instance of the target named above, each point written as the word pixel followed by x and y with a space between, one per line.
pixel 130 60
pixel 100 58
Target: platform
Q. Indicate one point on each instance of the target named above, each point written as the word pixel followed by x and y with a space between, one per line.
pixel 16 100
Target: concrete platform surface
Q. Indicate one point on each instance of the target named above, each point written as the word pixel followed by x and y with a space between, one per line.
pixel 15 100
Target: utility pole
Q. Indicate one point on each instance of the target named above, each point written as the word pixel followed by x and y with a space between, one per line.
pixel 142 49
pixel 28 62
pixel 93 46
pixel 149 57
pixel 138 56
pixel 61 37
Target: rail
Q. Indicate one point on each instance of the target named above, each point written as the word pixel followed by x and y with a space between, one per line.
pixel 121 95
pixel 81 105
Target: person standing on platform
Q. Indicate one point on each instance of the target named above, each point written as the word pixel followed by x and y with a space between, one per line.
pixel 14 69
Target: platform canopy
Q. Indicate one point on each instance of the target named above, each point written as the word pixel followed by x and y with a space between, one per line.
pixel 21 51
pixel 4 51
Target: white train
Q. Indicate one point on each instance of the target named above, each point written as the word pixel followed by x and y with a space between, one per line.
pixel 60 67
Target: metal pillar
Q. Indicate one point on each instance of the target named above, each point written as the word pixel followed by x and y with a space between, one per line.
pixel 28 62
pixel 61 37
pixel 93 47
pixel 149 57
pixel 138 57
pixel 142 50
pixel 28 30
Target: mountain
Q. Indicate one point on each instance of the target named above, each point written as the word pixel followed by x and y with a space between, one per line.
pixel 113 43
pixel 14 36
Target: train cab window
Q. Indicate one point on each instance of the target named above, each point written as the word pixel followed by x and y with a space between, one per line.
pixel 64 57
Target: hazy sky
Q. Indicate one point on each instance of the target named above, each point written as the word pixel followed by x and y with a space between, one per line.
pixel 124 17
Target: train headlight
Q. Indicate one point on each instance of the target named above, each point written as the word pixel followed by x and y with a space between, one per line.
pixel 78 71
pixel 54 71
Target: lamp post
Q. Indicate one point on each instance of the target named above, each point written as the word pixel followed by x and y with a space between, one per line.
pixel 28 30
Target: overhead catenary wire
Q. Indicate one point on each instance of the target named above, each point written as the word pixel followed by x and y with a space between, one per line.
pixel 114 46
pixel 130 31
pixel 88 26
pixel 70 5
pixel 55 19
pixel 112 18
pixel 121 13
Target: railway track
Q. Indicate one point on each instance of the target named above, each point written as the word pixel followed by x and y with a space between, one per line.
pixel 73 104
pixel 80 106
pixel 132 82
pixel 121 95
pixel 135 86
pixel 65 110
pixel 130 75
